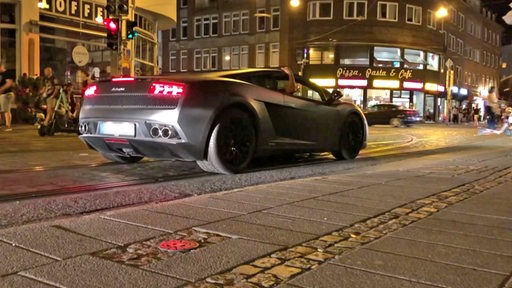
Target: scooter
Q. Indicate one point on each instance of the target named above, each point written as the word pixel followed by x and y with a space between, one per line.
pixel 60 122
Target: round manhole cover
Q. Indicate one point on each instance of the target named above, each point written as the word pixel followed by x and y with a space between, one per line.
pixel 178 245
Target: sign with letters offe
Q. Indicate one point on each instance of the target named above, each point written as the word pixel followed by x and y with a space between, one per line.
pixel 395 73
pixel 75 9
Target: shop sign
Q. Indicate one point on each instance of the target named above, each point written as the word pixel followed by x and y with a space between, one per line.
pixel 75 9
pixel 80 55
pixel 401 74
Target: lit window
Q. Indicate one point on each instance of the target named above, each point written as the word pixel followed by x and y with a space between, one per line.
pixel 235 21
pixel 386 57
pixel 226 24
pixel 245 22
pixel 260 55
pixel 319 10
pixel 197 60
pixel 197 27
pixel 206 26
pixel 387 11
pixel 414 59
pixel 173 61
pixel 226 58
pixel 261 20
pixel 244 56
pixel 183 60
pixel 235 57
pixel 184 28
pixel 276 18
pixel 413 15
pixel 274 54
pixel 355 9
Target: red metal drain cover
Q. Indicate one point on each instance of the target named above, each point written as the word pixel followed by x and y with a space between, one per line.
pixel 178 245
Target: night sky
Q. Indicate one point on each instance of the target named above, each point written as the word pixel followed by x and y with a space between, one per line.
pixel 501 7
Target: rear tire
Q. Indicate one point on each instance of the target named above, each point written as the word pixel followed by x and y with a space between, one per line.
pixel 351 138
pixel 231 145
pixel 122 159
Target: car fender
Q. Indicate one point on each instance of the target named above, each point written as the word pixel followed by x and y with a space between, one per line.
pixel 346 108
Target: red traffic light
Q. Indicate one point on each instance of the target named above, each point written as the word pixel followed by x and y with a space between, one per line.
pixel 112 25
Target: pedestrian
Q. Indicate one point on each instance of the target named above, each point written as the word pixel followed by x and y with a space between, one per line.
pixel 476 115
pixel 7 77
pixel 50 93
pixel 491 108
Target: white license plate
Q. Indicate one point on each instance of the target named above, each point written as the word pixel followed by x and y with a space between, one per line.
pixel 117 128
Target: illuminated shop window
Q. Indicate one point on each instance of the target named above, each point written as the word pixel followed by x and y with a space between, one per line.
pixel 414 59
pixel 386 57
pixel 432 61
pixel 354 55
pixel 321 55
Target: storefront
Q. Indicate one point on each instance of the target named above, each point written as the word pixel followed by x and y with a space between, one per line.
pixel 372 75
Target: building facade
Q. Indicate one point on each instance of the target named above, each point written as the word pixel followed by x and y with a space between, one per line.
pixel 375 51
pixel 68 36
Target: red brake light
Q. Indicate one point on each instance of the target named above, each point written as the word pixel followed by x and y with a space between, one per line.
pixel 90 91
pixel 123 79
pixel 167 89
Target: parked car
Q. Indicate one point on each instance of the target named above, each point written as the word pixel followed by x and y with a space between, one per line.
pixel 221 120
pixel 392 114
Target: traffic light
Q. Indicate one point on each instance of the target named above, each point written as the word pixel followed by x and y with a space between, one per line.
pixel 111 8
pixel 122 7
pixel 112 25
pixel 130 30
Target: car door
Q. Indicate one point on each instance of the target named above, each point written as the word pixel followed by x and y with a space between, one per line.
pixel 309 120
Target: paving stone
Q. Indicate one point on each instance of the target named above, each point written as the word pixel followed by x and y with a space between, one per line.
pixel 428 184
pixel 17 281
pixel 247 270
pixel 308 187
pixel 338 207
pixel 330 276
pixel 271 191
pixel 249 198
pixel 485 205
pixel 381 204
pixel 301 263
pixel 264 279
pixel 466 228
pixel 288 223
pixel 319 256
pixel 212 259
pixel 419 270
pixel 402 194
pixel 462 217
pixel 15 259
pixel 225 205
pixel 88 271
pixel 257 232
pixel 108 230
pixel 445 254
pixel 481 243
pixel 193 212
pixel 267 262
pixel 303 250
pixel 51 241
pixel 284 272
pixel 317 215
pixel 154 220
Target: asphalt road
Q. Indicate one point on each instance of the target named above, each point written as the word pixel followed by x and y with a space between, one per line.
pixel 76 180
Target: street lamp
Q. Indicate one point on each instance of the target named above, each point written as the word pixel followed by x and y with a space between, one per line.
pixel 442 13
pixel 294 3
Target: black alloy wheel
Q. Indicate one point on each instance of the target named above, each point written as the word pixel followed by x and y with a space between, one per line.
pixel 352 136
pixel 232 143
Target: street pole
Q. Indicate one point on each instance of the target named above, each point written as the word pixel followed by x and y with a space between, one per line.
pixel 449 85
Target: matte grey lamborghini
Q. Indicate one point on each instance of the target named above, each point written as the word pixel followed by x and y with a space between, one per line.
pixel 221 120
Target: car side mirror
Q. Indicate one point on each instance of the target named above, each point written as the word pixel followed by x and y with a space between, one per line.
pixel 335 95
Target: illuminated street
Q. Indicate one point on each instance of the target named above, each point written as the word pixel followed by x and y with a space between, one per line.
pixel 420 207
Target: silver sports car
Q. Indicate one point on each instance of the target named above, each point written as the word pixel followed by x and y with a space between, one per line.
pixel 221 120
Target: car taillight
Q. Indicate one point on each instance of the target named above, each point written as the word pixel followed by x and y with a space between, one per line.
pixel 123 79
pixel 167 89
pixel 90 91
